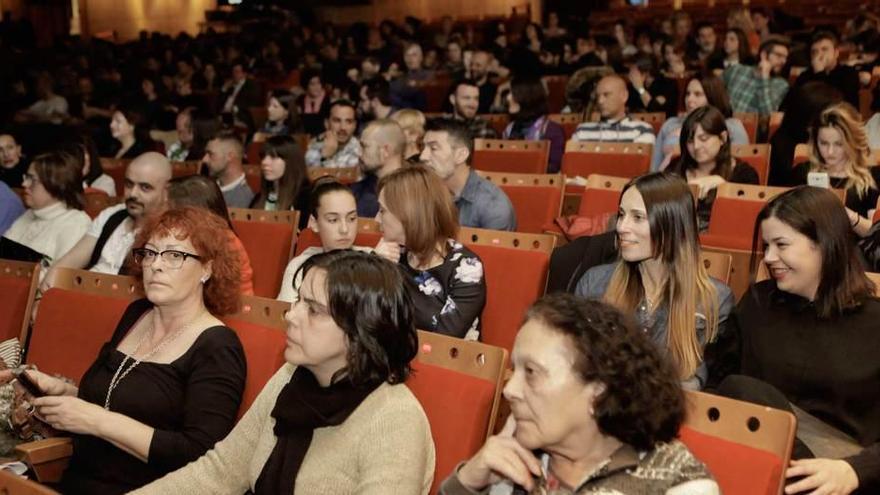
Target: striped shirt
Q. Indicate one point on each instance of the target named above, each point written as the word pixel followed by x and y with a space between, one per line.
pixel 625 130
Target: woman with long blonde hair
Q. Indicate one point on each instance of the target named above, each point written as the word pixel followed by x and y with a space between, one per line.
pixel 659 278
pixel 839 148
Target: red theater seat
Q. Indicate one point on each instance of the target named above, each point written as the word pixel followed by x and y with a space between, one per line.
pixel 536 198
pixel 584 158
pixel 261 328
pixel 268 238
pixel 18 284
pixel 515 266
pixel 458 384
pixel 508 155
pixel 746 446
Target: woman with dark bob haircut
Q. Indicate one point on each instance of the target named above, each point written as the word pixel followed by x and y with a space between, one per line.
pixel 337 417
pixel 808 343
pixel 588 390
pixel 168 384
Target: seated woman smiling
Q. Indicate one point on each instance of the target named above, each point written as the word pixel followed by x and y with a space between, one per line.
pixel 169 382
pixel 594 408
pixel 337 417
pixel 659 279
pixel 808 343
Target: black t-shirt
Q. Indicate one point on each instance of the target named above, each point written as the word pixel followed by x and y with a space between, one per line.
pixel 859 204
pixel 191 403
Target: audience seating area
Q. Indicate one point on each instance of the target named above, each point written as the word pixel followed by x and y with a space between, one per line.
pixel 448 373
pixel 459 382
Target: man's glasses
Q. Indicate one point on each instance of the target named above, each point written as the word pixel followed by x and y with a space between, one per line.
pixel 172 258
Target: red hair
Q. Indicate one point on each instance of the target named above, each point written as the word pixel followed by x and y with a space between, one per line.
pixel 222 295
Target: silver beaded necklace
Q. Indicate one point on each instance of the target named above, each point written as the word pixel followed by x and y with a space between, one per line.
pixel 122 372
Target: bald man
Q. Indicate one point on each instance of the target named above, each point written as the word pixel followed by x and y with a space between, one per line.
pixel 223 158
pixel 615 125
pixel 106 244
pixel 383 145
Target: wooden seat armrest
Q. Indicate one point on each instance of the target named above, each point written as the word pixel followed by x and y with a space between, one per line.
pixel 48 458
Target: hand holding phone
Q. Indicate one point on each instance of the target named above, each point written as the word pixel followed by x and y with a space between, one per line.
pixel 819 179
pixel 29 384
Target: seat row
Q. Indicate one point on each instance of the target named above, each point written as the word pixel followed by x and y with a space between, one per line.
pixel 457 382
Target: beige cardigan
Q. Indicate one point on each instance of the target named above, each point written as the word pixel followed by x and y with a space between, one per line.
pixel 385 446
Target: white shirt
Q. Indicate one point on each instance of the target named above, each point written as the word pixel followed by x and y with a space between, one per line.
pixel 51 110
pixel 118 244
pixel 105 183
pixel 52 230
pixel 230 101
pixel 288 292
pixel 232 185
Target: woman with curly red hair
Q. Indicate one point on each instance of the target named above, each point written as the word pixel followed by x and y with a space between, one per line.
pixel 168 384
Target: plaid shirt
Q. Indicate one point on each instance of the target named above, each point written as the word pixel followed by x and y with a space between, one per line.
pixel 478 128
pixel 749 92
pixel 346 156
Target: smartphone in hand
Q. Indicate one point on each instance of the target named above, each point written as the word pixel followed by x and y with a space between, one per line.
pixel 819 179
pixel 29 384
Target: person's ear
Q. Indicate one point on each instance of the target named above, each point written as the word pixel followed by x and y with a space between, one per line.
pixel 313 224
pixel 207 271
pixel 723 136
pixel 460 154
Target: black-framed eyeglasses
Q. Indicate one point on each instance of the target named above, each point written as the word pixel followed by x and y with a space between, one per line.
pixel 171 257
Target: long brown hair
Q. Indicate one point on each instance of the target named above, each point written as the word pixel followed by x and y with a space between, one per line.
pixel 818 214
pixel 294 178
pixel 687 289
pixel 422 203
pixel 712 122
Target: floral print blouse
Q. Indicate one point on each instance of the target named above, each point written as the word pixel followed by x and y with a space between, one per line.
pixel 450 297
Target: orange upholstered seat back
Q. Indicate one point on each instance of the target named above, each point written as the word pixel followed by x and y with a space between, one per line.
pixel 268 246
pixel 70 329
pixel 515 278
pixel 616 164
pixel 737 468
pixel 458 407
pixel 264 350
pixel 535 206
